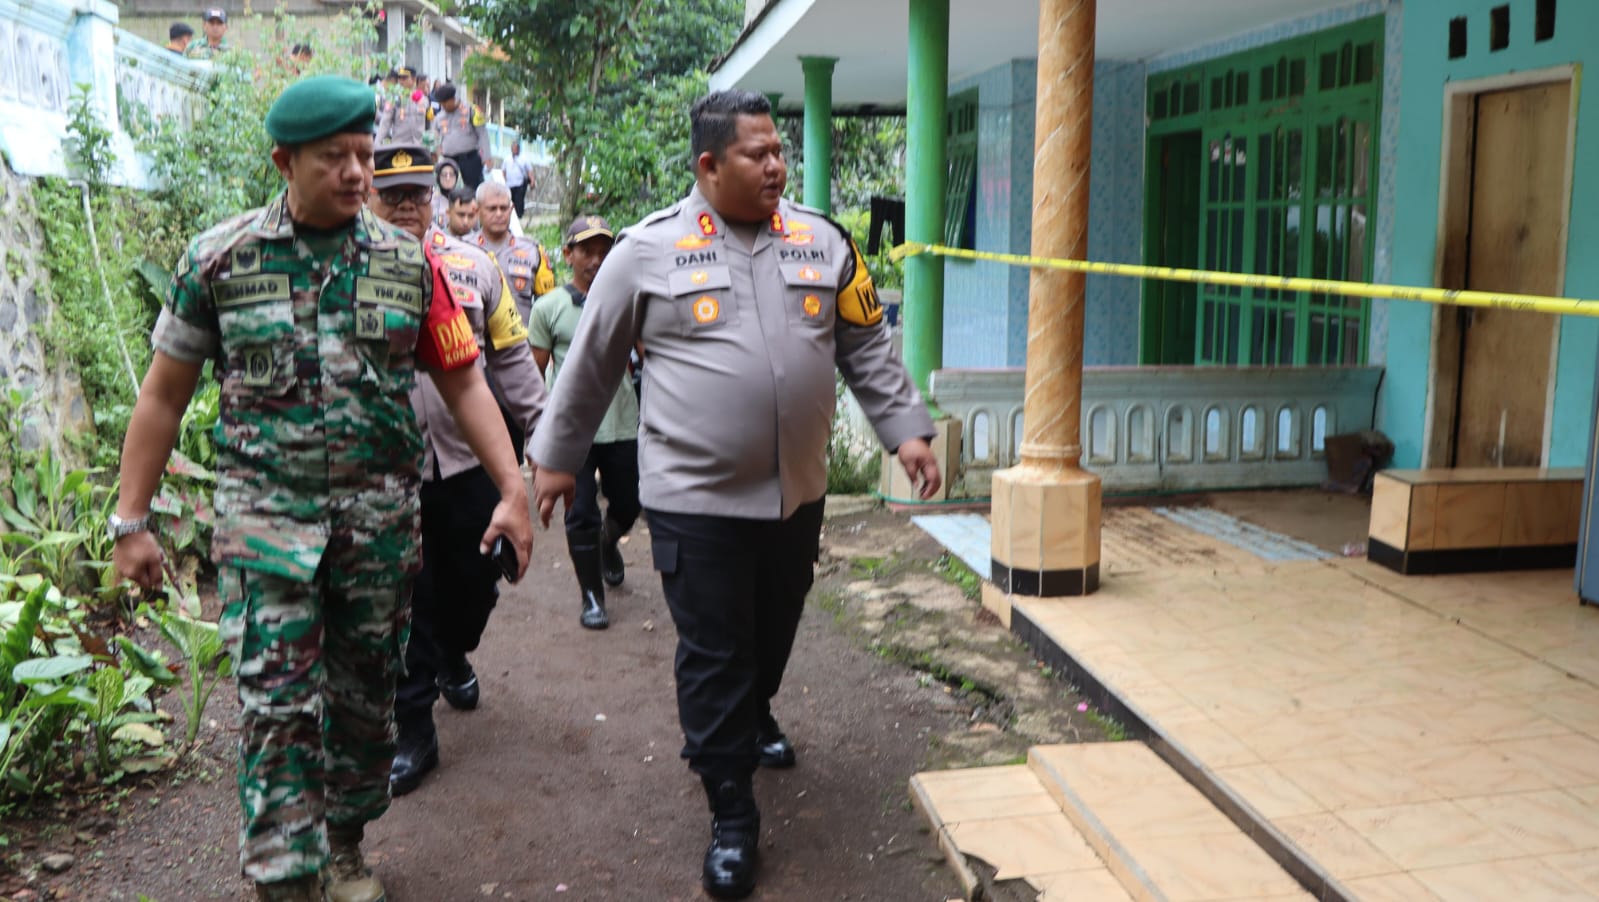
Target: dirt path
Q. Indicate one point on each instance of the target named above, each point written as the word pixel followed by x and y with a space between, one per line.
pixel 566 784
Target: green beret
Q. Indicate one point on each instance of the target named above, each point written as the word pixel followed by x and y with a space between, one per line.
pixel 320 106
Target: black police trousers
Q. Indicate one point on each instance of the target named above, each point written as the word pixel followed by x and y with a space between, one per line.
pixel 454 593
pixel 736 589
pixel 617 465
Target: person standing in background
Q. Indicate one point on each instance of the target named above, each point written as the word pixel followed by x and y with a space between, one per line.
pixel 179 36
pixel 518 178
pixel 216 32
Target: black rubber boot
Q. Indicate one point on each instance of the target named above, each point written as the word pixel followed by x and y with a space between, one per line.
pixel 734 852
pixel 611 565
pixel 584 546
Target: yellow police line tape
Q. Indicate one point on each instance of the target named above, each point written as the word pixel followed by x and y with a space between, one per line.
pixel 1528 302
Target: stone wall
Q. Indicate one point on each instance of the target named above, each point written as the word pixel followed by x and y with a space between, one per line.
pixel 56 406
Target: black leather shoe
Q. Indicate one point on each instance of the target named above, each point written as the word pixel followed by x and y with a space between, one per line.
pixel 458 684
pixel 612 569
pixel 414 757
pixel 734 853
pixel 772 748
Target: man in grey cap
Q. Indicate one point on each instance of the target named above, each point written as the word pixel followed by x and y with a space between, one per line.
pixel 590 538
pixel 216 30
pixel 747 304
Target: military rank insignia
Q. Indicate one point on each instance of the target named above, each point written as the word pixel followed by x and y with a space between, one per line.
pixel 257 367
pixel 369 323
pixel 707 224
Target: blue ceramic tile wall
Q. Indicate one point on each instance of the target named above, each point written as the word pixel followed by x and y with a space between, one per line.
pixel 981 299
pixel 1116 213
pixel 985 305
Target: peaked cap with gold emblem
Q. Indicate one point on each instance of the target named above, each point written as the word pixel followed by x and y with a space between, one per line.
pixel 402 164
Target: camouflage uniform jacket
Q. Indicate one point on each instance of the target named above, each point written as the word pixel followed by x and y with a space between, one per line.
pixel 316 436
pixel 481 291
pixel 526 267
pixel 201 50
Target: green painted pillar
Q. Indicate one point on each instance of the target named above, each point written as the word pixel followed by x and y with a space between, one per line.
pixel 819 131
pixel 774 98
pixel 926 182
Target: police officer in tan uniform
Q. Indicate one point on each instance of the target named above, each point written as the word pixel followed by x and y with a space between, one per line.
pixel 462 134
pixel 746 303
pixel 406 116
pixel 524 262
pixel 457 587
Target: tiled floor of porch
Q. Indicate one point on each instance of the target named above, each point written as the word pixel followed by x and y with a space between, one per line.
pixel 1400 737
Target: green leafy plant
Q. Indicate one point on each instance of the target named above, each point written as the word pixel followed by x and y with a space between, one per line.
pixel 199 643
pixel 55 514
pixel 88 140
pixel 114 700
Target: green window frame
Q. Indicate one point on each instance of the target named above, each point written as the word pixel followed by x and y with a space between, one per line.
pixel 1287 179
pixel 961 147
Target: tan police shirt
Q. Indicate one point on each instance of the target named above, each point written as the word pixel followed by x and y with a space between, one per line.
pixel 525 265
pixel 461 132
pixel 482 292
pixel 741 347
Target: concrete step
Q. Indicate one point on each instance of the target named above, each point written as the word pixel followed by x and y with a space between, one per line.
pixel 1155 832
pixel 1096 821
pixel 999 826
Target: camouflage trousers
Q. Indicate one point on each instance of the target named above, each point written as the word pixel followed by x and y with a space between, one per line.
pixel 317 664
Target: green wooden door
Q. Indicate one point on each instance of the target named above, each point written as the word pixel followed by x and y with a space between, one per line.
pixel 1170 309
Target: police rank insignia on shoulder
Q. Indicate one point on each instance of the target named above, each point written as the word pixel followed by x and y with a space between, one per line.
pixel 438 239
pixel 707 224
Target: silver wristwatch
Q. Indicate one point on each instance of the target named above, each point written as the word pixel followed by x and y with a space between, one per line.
pixel 120 527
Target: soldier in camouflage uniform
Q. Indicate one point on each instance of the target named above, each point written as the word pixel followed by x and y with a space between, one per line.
pixel 457 588
pixel 316 315
pixel 526 265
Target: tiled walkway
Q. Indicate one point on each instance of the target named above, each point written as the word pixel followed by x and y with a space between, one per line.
pixel 1414 737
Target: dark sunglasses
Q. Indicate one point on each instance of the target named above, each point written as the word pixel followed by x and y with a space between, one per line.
pixel 399 194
